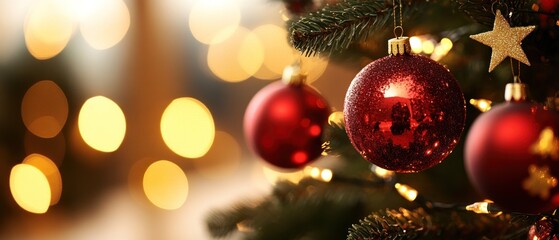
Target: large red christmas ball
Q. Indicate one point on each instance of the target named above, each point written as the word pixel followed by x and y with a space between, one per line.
pixel 511 156
pixel 404 113
pixel 284 122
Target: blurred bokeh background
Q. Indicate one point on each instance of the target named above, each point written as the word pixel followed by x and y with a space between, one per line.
pixel 97 98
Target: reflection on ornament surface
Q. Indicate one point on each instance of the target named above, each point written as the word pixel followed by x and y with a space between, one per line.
pixel 547 145
pixel 540 181
pixel 404 113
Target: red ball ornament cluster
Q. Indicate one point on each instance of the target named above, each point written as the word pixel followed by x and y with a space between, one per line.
pixel 284 122
pixel 404 112
pixel 512 154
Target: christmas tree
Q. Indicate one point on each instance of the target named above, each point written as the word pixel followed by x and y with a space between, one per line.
pixel 405 115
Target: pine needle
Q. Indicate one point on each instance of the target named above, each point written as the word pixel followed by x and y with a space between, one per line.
pixel 447 224
pixel 335 27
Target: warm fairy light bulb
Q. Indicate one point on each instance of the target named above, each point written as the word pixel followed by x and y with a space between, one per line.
pixel 481 104
pixel 442 49
pixel 326 175
pixel 482 208
pixel 478 207
pixel 446 44
pixel 406 191
pixel 381 172
pixel 415 43
pixel 428 47
pixel 315 172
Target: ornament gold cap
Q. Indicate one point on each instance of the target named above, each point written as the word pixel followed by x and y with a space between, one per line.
pixel 516 92
pixel 292 75
pixel 399 46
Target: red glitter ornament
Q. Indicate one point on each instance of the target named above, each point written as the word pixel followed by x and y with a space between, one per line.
pixel 512 156
pixel 404 112
pixel 284 122
pixel 544 229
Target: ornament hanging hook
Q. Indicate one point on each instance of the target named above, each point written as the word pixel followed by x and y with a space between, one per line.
pixel 500 5
pixel 398 27
pixel 516 76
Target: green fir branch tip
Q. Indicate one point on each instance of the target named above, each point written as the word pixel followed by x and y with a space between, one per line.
pixel 442 224
pixel 335 27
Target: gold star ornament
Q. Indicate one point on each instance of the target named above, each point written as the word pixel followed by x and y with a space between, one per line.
pixel 547 145
pixel 505 41
pixel 540 181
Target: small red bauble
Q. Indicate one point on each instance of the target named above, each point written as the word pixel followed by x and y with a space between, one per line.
pixel 284 122
pixel 548 6
pixel 404 113
pixel 511 156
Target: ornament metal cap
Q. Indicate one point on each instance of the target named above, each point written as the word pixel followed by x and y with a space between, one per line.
pixel 292 75
pixel 399 46
pixel 516 92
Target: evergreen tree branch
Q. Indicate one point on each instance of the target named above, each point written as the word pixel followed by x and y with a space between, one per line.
pixel 483 11
pixel 447 224
pixel 338 142
pixel 335 27
pixel 310 209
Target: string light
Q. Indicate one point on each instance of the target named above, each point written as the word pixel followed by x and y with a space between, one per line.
pixel 481 104
pixel 406 191
pixel 382 173
pixel 314 172
pixel 485 207
pixel 415 44
pixel 324 175
pixel 426 44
